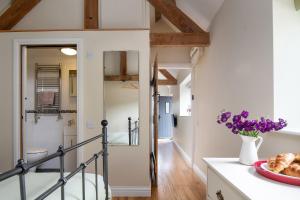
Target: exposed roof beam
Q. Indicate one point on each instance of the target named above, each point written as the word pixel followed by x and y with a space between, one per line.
pixel 165 65
pixel 91 19
pixel 121 78
pixel 180 39
pixel 14 14
pixel 166 82
pixel 123 64
pixel 158 14
pixel 170 79
pixel 176 16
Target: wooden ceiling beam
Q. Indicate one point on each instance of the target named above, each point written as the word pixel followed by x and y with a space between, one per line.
pixel 170 79
pixel 157 15
pixel 16 12
pixel 167 82
pixel 121 78
pixel 91 16
pixel 180 39
pixel 167 74
pixel 123 64
pixel 178 18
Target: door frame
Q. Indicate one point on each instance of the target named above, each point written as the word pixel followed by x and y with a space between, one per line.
pixel 17 88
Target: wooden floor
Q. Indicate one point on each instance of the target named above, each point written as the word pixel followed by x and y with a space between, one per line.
pixel 176 181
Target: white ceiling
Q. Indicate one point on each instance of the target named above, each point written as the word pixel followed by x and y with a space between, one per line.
pixel 201 11
pixel 4 4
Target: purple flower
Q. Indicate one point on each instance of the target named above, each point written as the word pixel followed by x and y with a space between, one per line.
pixel 245 114
pixel 224 117
pixel 240 124
pixel 235 130
pixel 253 122
pixel 229 125
pixel 236 118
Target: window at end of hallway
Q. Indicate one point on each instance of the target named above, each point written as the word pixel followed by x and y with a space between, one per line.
pixel 186 96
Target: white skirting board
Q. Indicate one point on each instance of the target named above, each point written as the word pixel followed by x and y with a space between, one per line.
pixel 188 160
pixel 120 191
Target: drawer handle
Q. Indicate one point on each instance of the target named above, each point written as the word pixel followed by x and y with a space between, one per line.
pixel 220 195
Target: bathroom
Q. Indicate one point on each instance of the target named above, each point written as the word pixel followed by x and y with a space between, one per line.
pixel 49 90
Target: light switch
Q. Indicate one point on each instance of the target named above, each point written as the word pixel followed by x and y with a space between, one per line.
pixel 90 55
pixel 90 124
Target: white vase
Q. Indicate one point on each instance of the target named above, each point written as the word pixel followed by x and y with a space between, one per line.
pixel 248 154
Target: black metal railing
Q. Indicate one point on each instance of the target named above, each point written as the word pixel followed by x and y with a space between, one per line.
pixel 133 132
pixel 22 168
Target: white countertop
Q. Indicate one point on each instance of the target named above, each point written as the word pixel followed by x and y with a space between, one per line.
pixel 249 183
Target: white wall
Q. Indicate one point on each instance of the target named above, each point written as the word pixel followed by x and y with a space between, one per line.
pixel 124 14
pixel 4 4
pixel 286 62
pixel 134 160
pixel 54 14
pixel 183 133
pixel 48 131
pixel 164 90
pixel 69 14
pixel 236 73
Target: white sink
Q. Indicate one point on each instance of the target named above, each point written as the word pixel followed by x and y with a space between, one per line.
pixel 70 130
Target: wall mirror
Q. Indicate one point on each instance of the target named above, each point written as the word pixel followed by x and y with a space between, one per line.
pixel 121 96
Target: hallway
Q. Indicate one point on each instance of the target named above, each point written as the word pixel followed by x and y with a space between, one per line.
pixel 176 180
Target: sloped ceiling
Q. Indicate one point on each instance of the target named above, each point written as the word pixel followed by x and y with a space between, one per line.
pixel 4 4
pixel 201 11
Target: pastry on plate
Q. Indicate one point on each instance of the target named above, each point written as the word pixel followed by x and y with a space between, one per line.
pixel 281 162
pixel 292 170
pixel 271 163
pixel 297 157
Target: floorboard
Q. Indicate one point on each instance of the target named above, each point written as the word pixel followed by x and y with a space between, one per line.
pixel 176 180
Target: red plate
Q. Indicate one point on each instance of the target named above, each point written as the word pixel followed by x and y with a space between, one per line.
pixel 276 177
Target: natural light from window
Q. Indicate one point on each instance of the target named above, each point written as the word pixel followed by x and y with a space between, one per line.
pixel 286 37
pixel 186 96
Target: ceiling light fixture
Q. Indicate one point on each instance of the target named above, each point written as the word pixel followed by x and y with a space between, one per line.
pixel 68 51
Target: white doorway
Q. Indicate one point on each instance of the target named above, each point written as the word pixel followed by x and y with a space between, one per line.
pixel 30 120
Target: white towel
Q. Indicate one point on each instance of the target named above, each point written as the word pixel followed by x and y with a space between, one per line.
pixel 46 98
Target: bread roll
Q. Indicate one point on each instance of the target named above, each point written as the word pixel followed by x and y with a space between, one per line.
pixel 292 170
pixel 297 157
pixel 281 162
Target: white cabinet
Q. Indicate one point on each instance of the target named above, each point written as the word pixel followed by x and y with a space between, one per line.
pixel 70 157
pixel 218 189
pixel 227 179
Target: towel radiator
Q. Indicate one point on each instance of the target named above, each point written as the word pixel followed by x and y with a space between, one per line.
pixel 47 78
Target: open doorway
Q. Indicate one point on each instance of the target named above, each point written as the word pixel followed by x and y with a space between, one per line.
pixel 172 113
pixel 47 100
pixel 49 104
